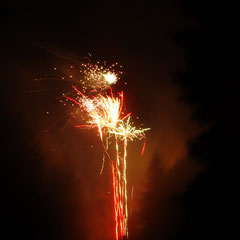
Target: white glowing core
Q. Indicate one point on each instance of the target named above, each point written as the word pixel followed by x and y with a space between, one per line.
pixel 110 78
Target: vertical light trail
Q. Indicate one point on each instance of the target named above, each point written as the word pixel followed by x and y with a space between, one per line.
pixel 125 185
pixel 115 199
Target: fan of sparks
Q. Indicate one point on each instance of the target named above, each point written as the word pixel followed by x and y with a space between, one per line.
pixel 105 112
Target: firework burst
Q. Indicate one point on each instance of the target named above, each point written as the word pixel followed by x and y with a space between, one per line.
pixel 99 77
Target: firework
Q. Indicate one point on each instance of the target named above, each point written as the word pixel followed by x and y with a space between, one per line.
pixel 99 77
pixel 105 113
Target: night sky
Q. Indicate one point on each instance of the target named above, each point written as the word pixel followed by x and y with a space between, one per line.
pixel 178 59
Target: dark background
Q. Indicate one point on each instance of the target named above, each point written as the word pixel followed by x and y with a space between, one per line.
pixel 202 30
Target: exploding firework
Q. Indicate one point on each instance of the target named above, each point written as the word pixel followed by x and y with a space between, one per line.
pixel 105 112
pixel 96 77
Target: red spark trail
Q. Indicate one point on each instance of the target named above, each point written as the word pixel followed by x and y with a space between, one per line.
pixel 77 91
pixel 73 100
pixel 143 148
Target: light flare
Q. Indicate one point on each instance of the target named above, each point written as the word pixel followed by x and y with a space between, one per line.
pixel 110 78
